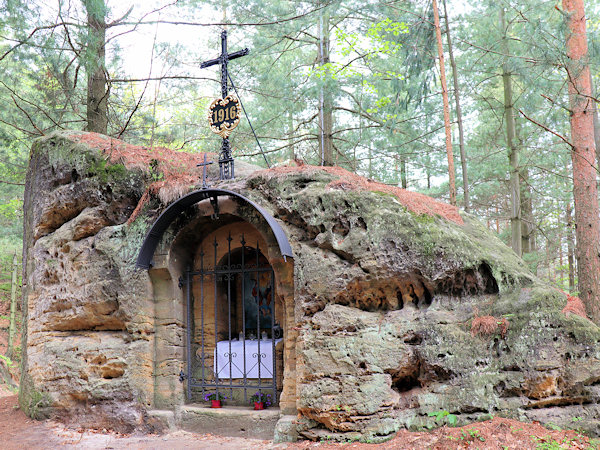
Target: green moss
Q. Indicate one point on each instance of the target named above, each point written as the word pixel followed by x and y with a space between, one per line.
pixel 88 162
pixel 123 242
pixel 33 402
pixel 545 298
pixel 584 330
pixel 107 172
pixel 423 218
pixel 432 239
pixel 385 194
pixel 61 151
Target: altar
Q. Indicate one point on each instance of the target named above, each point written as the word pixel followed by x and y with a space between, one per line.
pixel 250 364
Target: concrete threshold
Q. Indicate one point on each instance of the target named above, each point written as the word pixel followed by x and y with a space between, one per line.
pixel 234 421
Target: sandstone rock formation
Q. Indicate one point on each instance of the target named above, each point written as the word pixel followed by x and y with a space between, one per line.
pixel 387 286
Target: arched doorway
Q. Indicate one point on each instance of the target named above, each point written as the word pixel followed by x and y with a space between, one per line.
pixel 172 247
pixel 234 324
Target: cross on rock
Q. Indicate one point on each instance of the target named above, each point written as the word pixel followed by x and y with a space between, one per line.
pixel 225 159
pixel 203 165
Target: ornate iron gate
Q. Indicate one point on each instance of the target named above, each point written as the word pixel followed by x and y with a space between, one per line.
pixel 232 332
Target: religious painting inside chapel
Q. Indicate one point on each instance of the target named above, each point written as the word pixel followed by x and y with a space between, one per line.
pixel 258 301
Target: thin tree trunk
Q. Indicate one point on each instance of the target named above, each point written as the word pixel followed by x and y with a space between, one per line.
pixel 12 323
pixel 513 150
pixel 325 99
pixel 428 159
pixel 549 268
pixel 583 155
pixel 561 268
pixel 527 219
pixel 97 93
pixel 403 174
pixel 153 128
pixel 292 149
pixel 570 248
pixel 497 220
pixel 461 137
pixel 447 124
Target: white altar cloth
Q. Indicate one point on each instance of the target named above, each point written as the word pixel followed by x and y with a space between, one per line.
pixel 222 367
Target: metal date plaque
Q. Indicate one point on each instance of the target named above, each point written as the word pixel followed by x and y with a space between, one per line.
pixel 224 115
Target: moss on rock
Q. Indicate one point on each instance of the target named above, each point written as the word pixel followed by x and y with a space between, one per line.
pixel 385 296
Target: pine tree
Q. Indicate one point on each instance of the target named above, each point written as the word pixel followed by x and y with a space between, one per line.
pixel 583 154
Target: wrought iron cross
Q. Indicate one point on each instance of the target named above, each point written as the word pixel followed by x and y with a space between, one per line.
pixel 226 168
pixel 204 164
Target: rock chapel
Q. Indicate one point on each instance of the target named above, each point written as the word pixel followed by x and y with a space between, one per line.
pixel 352 307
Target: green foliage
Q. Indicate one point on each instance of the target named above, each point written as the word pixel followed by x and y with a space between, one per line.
pixel 471 435
pixel 37 402
pixel 444 417
pixel 548 443
pixel 11 211
pixel 7 360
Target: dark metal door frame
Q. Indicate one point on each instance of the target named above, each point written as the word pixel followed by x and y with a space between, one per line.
pixel 203 378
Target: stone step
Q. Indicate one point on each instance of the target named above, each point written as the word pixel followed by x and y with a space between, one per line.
pixel 232 421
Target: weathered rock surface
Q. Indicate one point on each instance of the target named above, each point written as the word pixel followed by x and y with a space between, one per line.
pixel 384 300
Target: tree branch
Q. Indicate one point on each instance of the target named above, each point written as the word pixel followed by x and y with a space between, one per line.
pixel 161 78
pixel 229 24
pixel 565 140
pixel 40 132
pixel 35 30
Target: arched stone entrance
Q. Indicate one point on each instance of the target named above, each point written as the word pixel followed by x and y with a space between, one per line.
pixel 234 336
pixel 193 294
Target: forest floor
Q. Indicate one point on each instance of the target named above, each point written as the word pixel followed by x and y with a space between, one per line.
pixel 17 431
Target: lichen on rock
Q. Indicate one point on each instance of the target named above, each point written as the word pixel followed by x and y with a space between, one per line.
pixel 387 286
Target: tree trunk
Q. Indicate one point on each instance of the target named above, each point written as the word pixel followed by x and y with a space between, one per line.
pixel 596 123
pixel 447 124
pixel 561 267
pixel 461 137
pixel 153 127
pixel 527 219
pixel 97 93
pixel 549 266
pixel 12 323
pixel 325 99
pixel 403 174
pixel 291 149
pixel 583 155
pixel 570 248
pixel 497 219
pixel 513 150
